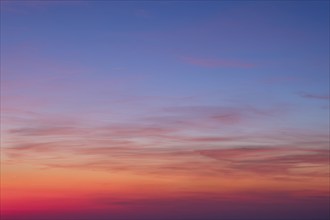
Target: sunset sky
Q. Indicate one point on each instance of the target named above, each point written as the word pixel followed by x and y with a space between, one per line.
pixel 164 110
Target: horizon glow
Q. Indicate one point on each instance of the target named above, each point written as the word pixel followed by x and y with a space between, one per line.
pixel 181 110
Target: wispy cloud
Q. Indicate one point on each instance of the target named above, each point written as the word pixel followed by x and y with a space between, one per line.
pixel 44 131
pixel 222 115
pixel 132 156
pixel 314 96
pixel 281 80
pixel 182 145
pixel 270 160
pixel 166 123
pixel 217 63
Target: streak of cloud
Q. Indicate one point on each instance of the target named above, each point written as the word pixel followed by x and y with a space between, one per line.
pixel 218 63
pixel 314 96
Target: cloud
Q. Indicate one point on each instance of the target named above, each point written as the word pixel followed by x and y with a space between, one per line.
pixel 217 63
pixel 212 139
pixel 281 80
pixel 221 110
pixel 314 96
pixel 270 160
pixel 137 130
pixel 168 125
pixel 221 115
pixel 182 140
pixel 192 158
pixel 45 131
pixel 36 147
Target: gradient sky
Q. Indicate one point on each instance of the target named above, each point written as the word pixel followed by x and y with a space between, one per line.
pixel 181 110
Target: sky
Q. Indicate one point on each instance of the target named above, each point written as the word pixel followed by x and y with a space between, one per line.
pixel 181 110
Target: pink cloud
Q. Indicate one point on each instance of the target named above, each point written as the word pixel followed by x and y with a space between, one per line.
pixel 164 147
pixel 204 116
pixel 117 155
pixel 206 139
pixel 229 118
pixel 217 63
pixel 137 130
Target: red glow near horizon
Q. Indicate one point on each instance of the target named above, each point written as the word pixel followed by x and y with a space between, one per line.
pixel 167 110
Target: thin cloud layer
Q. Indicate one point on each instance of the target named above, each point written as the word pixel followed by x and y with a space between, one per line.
pixel 314 96
pixel 218 63
pixel 157 151
pixel 165 146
